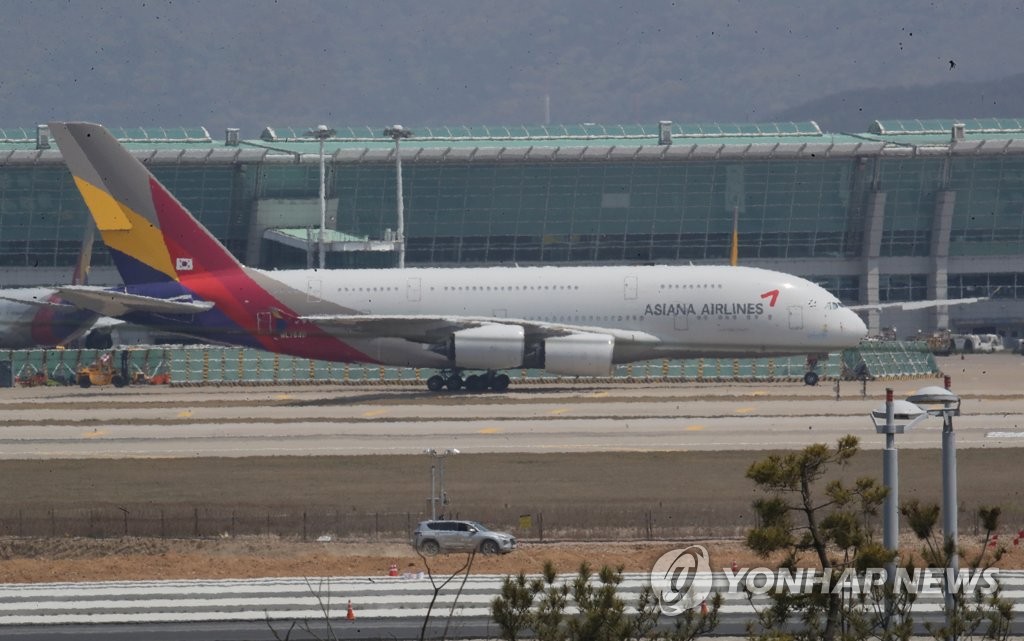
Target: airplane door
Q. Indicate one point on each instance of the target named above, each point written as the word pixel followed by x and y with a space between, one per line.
pixel 264 323
pixel 313 290
pixel 412 290
pixel 796 317
pixel 629 288
pixel 682 322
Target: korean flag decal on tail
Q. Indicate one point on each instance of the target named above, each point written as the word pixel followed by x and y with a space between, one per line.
pixel 183 264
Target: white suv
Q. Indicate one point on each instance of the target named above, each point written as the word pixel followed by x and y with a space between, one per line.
pixel 431 537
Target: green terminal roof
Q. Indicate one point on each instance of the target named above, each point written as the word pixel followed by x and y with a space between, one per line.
pixel 938 126
pixel 554 132
pixel 194 144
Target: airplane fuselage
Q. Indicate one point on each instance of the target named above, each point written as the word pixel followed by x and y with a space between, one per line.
pixel 670 311
pixel 26 324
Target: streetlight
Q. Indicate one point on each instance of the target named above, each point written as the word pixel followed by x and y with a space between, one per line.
pixel 946 404
pixel 396 133
pixel 322 133
pixel 435 471
pixel 885 419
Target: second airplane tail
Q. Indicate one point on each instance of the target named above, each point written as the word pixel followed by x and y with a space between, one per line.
pixel 153 239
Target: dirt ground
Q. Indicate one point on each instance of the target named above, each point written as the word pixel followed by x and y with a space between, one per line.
pixel 692 497
pixel 585 499
pixel 44 560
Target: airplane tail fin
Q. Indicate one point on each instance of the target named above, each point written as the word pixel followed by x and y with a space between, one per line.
pixel 151 236
pixel 84 263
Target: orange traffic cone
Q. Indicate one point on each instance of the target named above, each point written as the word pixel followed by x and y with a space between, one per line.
pixel 393 570
pixel 351 614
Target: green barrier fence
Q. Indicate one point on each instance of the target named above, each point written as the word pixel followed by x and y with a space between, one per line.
pixel 234 366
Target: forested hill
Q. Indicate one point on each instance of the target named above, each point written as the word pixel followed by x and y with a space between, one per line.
pixel 249 64
pixel 852 111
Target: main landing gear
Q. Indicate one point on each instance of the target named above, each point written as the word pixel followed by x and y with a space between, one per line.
pixel 489 380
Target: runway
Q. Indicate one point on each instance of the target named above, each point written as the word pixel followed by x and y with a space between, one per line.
pixel 39 423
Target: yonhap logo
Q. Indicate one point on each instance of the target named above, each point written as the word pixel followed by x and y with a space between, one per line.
pixel 682 579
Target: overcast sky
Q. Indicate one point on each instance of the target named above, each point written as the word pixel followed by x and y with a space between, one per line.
pixel 249 64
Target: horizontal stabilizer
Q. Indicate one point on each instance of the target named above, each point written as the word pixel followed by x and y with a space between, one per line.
pixel 113 303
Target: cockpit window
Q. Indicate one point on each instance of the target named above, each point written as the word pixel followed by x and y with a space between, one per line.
pixel 834 305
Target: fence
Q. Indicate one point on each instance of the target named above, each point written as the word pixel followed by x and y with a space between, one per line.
pixel 185 522
pixel 234 366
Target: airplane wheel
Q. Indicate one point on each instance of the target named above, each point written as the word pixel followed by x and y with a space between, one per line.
pixel 435 383
pixel 454 383
pixel 118 380
pixel 476 383
pixel 500 383
pixel 84 382
pixel 811 378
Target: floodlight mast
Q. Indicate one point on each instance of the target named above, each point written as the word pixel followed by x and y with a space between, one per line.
pixel 885 419
pixel 396 133
pixel 435 472
pixel 947 405
pixel 322 133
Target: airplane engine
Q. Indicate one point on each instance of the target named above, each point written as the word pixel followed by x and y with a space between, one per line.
pixel 579 354
pixel 488 347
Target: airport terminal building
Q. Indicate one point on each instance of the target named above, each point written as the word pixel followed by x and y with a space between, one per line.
pixel 908 210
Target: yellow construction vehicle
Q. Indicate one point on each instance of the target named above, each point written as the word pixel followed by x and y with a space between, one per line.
pixel 102 371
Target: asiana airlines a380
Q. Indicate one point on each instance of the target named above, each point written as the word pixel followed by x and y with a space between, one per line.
pixel 567 320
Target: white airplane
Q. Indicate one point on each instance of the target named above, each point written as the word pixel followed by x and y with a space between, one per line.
pixel 566 320
pixel 38 317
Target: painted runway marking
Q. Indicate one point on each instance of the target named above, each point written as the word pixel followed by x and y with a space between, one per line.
pixel 372 413
pixel 489 430
pixel 96 433
pixel 185 414
pixel 282 397
pixel 694 428
pixel 1004 435
pixel 559 411
pixel 600 394
pixel 744 410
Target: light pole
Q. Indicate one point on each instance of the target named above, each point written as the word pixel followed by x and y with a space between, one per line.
pixel 946 404
pixel 885 419
pixel 435 472
pixel 396 133
pixel 322 133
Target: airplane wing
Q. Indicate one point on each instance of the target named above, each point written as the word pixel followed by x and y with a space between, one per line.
pixel 113 303
pixel 431 329
pixel 916 304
